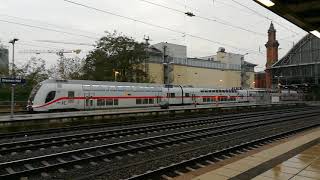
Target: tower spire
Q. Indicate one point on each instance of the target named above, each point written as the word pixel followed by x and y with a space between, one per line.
pixel 271 28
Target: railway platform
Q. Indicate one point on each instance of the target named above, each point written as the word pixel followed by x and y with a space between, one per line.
pixel 296 158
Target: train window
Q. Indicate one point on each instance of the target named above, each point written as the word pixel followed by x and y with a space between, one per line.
pixel 202 91
pixel 101 102
pixel 151 101
pixel 116 102
pixel 70 96
pixel 50 96
pixel 138 101
pixel 87 102
pixel 109 102
pixel 187 94
pixel 204 99
pixel 172 95
pixel 145 101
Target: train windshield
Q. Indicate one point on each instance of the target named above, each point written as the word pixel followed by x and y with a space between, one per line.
pixel 34 92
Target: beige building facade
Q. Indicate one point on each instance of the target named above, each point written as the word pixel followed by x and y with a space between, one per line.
pixel 223 70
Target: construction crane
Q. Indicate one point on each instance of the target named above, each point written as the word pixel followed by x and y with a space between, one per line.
pixel 60 52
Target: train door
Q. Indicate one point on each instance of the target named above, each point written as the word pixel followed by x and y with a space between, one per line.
pixel 89 101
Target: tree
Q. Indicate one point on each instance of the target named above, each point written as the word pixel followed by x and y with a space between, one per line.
pixel 67 68
pixel 33 71
pixel 116 53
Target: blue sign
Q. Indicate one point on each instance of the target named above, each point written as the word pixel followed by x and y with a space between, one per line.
pixel 12 81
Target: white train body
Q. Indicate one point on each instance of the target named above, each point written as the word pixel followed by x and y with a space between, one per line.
pixel 56 95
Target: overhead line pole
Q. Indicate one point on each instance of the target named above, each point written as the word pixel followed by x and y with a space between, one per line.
pixel 13 76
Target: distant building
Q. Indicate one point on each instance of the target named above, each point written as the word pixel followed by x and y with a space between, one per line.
pixel 4 58
pixel 300 67
pixel 169 64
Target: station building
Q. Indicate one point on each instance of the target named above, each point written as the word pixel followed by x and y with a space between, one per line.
pixel 299 68
pixel 4 58
pixel 168 63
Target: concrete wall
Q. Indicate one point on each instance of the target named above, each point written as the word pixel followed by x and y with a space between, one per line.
pixel 197 77
pixel 251 80
pixel 173 50
pixel 156 72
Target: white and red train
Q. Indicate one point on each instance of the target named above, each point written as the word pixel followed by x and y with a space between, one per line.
pixel 62 95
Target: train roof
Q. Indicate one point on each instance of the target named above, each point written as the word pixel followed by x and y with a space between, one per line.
pixel 88 82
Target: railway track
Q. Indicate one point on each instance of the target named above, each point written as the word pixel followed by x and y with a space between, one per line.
pixel 154 120
pixel 217 129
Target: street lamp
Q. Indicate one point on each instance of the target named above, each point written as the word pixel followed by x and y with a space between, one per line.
pixel 221 82
pixel 13 41
pixel 115 75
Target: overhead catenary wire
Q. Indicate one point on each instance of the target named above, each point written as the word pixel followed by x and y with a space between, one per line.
pixel 158 26
pixel 51 24
pixel 47 29
pixel 216 20
pixel 261 15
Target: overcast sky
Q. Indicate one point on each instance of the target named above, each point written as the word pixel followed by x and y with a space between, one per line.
pixel 88 25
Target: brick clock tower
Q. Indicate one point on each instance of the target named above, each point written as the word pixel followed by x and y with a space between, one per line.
pixel 272 54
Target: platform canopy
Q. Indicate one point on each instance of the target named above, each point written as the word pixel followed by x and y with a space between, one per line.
pixel 303 13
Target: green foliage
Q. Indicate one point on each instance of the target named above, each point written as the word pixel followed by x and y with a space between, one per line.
pixel 33 71
pixel 67 68
pixel 116 53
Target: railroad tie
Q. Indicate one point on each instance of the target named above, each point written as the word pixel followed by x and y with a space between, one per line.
pixel 89 155
pixel 200 165
pixel 61 160
pixel 61 170
pixel 77 166
pixel 166 177
pixel 75 157
pixel 178 172
pixel 45 163
pixel 190 169
pixel 28 166
pixel 210 162
pixel 10 170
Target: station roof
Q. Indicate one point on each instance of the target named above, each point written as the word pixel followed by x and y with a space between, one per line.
pixel 303 13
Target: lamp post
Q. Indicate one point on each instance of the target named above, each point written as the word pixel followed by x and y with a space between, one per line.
pixel 279 92
pixel 115 75
pixel 221 83
pixel 13 41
